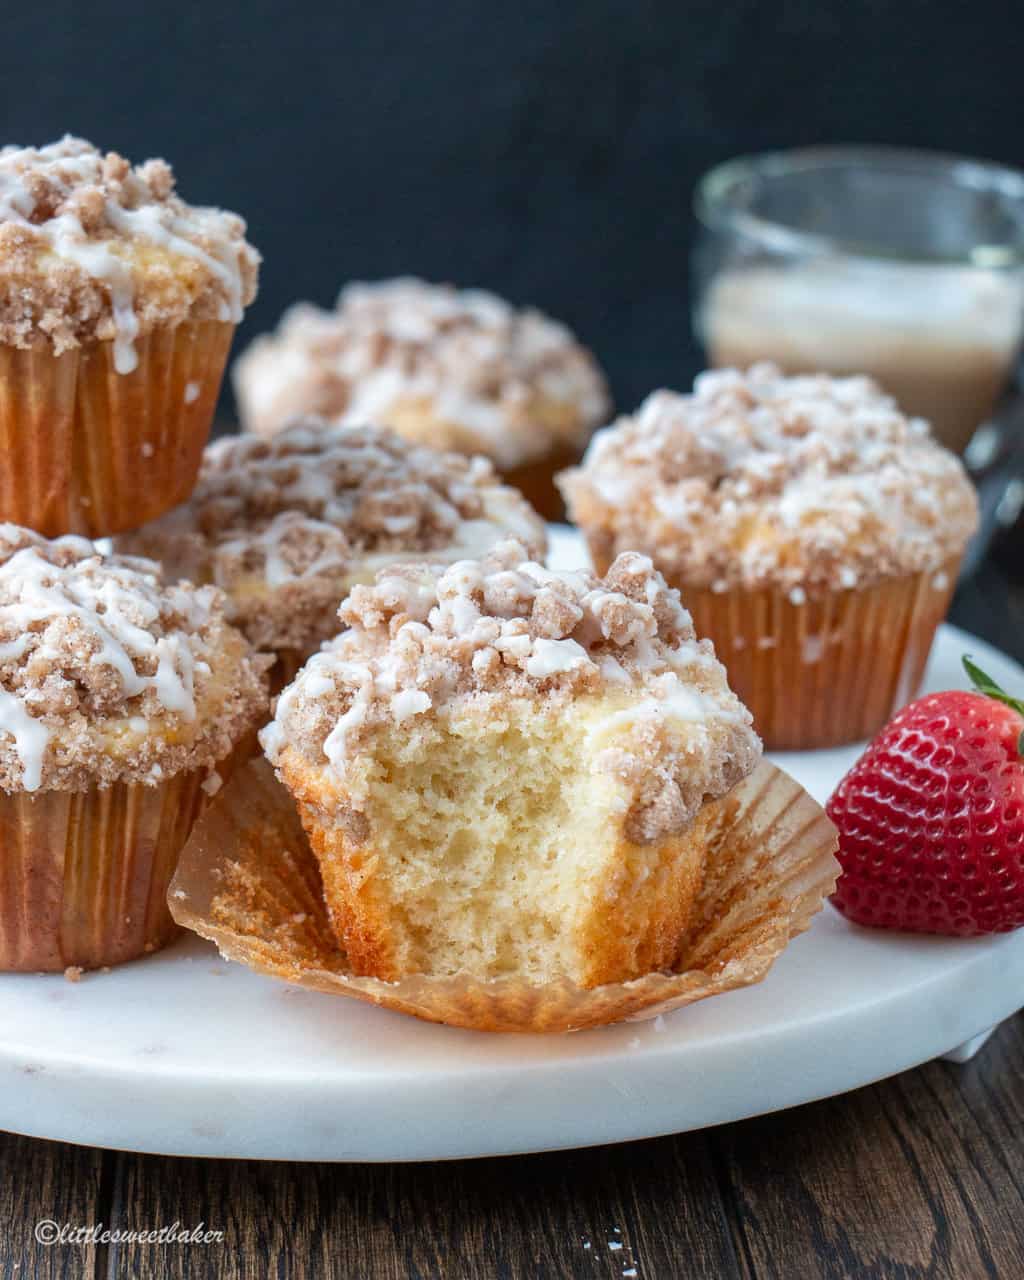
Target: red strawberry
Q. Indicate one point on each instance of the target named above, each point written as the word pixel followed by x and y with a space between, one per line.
pixel 931 817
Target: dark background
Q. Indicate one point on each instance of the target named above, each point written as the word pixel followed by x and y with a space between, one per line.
pixel 543 148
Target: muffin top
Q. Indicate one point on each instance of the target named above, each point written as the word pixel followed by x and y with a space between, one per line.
pixel 758 479
pixel 481 633
pixel 287 526
pixel 109 675
pixel 461 368
pixel 92 249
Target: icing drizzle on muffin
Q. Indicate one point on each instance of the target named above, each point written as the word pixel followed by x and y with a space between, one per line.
pixel 91 247
pixel 106 673
pixel 299 514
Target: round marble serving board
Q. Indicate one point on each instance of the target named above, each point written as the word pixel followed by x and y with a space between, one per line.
pixel 183 1053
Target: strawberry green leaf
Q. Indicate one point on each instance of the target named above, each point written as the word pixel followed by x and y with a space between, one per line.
pixel 984 683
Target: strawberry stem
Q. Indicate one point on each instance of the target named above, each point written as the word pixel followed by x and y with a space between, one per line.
pixel 985 684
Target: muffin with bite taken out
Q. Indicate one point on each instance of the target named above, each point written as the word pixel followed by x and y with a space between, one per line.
pixel 510 772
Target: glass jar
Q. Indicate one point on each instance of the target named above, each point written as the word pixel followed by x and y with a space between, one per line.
pixel 905 265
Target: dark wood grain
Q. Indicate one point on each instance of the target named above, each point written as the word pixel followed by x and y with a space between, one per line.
pixel 50 1180
pixel 919 1176
pixel 651 1206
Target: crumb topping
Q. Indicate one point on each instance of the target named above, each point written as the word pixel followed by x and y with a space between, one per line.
pixel 285 526
pixel 758 479
pixel 423 640
pixel 93 249
pixel 107 675
pixel 487 377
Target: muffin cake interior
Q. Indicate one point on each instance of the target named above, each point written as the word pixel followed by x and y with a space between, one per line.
pixel 501 844
pixel 505 770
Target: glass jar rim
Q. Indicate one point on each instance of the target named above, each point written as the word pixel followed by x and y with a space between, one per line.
pixel 717 208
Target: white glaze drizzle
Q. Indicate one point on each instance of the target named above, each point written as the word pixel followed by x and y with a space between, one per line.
pixel 46 591
pixel 154 223
pixel 311 484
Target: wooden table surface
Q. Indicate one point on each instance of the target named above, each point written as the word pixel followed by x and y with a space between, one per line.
pixel 920 1175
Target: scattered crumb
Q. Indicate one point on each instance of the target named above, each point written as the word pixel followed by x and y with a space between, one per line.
pixel 73 973
pixel 211 784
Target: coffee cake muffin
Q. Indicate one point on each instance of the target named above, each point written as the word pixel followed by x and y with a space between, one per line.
pixel 460 370
pixel 814 531
pixel 119 696
pixel 508 772
pixel 287 527
pixel 117 305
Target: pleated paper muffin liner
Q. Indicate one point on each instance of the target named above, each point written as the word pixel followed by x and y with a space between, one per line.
pixel 248 881
pixel 84 874
pixel 88 450
pixel 535 480
pixel 833 668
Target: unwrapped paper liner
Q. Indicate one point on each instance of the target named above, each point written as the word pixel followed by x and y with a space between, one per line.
pixel 248 881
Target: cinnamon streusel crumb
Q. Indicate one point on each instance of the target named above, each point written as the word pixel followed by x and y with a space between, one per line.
pixel 460 369
pixel 287 526
pixel 92 249
pixel 108 675
pixel 480 636
pixel 758 479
